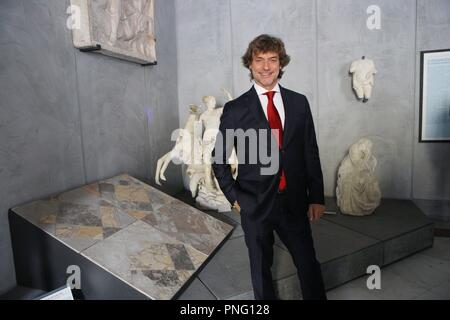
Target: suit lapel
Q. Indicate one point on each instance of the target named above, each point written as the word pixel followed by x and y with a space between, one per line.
pixel 256 110
pixel 288 116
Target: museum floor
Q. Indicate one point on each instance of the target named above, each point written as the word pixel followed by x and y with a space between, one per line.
pixel 408 240
pixel 422 275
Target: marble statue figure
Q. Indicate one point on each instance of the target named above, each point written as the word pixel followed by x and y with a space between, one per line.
pixel 363 79
pixel 358 192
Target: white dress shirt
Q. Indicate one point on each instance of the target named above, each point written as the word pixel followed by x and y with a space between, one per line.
pixel 277 100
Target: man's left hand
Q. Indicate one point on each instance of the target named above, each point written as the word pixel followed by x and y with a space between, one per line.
pixel 315 211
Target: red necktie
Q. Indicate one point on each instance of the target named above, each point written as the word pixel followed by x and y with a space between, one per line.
pixel 275 123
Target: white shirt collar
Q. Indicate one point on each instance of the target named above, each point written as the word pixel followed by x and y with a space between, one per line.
pixel 260 90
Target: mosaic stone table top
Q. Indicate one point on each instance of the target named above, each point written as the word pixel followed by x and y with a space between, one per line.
pixel 150 240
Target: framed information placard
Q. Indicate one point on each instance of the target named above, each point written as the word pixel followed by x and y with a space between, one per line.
pixel 434 123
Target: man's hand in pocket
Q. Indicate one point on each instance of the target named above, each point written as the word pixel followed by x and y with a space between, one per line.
pixel 237 207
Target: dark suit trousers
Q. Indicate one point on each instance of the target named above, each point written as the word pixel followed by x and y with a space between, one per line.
pixel 295 232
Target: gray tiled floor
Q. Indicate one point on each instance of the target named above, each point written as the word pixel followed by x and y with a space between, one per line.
pixel 197 291
pixel 425 275
pixel 345 241
pixel 422 276
pixel 228 272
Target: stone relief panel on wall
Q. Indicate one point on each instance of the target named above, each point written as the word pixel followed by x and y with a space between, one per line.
pixel 120 28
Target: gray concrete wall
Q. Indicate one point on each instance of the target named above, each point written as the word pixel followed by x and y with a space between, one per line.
pixel 323 37
pixel 387 119
pixel 69 118
pixel 205 55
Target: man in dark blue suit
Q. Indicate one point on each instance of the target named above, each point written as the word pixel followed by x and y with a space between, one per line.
pixel 285 193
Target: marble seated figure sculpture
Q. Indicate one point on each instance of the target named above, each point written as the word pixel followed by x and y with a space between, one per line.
pixel 193 148
pixel 363 79
pixel 358 192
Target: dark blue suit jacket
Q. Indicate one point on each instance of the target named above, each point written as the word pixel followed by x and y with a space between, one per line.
pixel 299 156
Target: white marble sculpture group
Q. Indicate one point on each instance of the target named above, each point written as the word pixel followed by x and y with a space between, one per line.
pixel 358 192
pixel 193 147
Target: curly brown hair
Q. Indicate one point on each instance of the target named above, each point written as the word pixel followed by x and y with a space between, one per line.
pixel 266 43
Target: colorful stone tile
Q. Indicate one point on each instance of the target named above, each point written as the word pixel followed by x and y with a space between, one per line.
pixel 77 218
pixel 126 193
pixel 168 215
pixel 147 259
pixel 148 239
pixel 189 225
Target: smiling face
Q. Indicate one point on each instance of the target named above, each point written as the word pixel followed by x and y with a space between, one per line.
pixel 265 68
